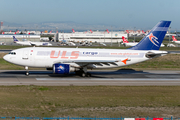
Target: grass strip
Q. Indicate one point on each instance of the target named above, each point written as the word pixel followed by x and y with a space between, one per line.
pixel 89 101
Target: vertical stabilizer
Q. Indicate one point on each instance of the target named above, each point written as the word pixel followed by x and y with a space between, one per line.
pixel 153 40
pixel 124 40
pixel 174 39
pixel 15 40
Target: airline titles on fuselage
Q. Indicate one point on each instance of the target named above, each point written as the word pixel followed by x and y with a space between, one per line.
pixel 76 54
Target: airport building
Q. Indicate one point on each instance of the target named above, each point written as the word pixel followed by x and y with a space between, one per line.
pixel 90 36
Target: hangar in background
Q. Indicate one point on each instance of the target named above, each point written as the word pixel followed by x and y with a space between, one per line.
pixel 92 36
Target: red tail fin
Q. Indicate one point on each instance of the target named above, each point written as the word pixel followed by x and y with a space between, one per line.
pixel 107 31
pixel 127 31
pixel 174 39
pixel 124 40
pixel 73 30
pixel 143 32
pixel 91 31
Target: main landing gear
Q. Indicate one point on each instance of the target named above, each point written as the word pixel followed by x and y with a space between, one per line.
pixel 83 72
pixel 27 72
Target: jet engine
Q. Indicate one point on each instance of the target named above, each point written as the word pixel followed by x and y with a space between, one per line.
pixel 60 68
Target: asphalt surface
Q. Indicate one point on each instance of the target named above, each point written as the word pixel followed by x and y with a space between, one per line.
pixel 114 78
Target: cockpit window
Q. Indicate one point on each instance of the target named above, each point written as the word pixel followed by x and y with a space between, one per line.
pixel 12 53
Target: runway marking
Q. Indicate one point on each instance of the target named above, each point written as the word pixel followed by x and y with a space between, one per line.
pixel 106 79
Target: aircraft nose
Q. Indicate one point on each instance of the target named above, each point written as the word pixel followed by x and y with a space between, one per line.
pixel 6 57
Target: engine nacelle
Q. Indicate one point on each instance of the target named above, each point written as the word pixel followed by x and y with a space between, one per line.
pixel 60 68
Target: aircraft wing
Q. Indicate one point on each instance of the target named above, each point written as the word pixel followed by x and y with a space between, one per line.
pixel 87 62
pixel 32 44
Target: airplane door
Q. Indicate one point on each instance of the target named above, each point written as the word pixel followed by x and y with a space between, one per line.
pixel 25 55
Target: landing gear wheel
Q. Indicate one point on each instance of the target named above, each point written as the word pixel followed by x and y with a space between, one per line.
pixel 26 68
pixel 88 74
pixel 83 74
pixel 27 73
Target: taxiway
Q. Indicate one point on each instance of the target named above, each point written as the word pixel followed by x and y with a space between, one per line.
pixel 114 78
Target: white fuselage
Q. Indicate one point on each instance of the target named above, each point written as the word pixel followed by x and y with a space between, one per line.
pixel 76 57
pixel 23 43
pixel 33 43
pixel 177 42
pixel 130 44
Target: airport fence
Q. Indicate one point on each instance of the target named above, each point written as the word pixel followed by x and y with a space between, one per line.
pixel 83 118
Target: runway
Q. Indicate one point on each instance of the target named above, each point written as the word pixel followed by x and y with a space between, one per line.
pixel 110 78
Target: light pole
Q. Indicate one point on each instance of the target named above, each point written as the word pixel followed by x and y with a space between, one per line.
pixel 111 35
pixel 134 34
pixel 169 34
pixel 104 36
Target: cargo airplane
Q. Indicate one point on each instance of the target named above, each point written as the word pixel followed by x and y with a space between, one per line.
pixel 78 60
pixel 31 43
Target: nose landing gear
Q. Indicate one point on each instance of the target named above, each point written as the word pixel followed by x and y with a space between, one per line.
pixel 27 72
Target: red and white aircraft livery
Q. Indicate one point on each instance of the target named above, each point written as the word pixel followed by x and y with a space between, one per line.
pixel 127 43
pixel 66 60
pixel 175 40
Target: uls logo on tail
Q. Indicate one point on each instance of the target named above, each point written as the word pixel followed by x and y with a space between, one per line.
pixel 15 40
pixel 153 39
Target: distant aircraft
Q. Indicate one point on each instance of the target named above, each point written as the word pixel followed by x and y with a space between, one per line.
pixel 170 45
pixel 31 43
pixel 127 44
pixel 130 44
pixel 65 42
pixel 107 30
pixel 175 40
pixel 21 42
pixel 101 43
pixel 143 32
pixel 127 31
pixel 78 60
pixel 85 43
pixel 91 31
pixel 73 31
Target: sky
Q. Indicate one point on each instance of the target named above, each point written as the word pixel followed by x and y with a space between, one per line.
pixel 139 14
